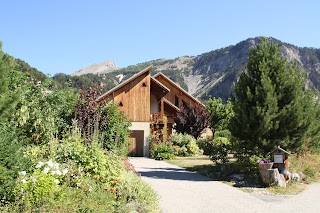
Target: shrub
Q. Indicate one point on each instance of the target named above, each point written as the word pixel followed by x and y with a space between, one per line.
pixel 187 144
pixel 218 149
pixel 162 151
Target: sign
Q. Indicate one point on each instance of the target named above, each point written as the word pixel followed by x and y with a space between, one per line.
pixel 278 158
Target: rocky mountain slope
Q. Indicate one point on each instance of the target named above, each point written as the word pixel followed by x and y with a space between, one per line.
pixel 101 68
pixel 215 73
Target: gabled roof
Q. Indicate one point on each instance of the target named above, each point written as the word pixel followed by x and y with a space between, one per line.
pixel 148 69
pixel 177 86
pixel 158 83
pixel 280 149
pixel 171 105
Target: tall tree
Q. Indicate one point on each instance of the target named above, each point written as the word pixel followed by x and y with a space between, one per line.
pixel 272 106
pixel 7 97
pixel 220 113
pixel 192 119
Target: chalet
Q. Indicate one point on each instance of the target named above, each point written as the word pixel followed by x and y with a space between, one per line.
pixel 146 100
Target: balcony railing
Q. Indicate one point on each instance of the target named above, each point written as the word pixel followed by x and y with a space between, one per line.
pixel 156 117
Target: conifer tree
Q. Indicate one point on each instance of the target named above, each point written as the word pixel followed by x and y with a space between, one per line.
pixel 272 106
pixel 7 98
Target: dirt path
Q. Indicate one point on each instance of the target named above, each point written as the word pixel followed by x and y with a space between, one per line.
pixel 183 191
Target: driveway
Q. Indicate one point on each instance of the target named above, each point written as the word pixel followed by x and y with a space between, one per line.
pixel 183 191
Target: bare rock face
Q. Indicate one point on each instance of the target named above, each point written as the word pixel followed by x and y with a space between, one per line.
pixel 105 67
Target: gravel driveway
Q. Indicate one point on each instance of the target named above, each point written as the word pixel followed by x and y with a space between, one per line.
pixel 183 191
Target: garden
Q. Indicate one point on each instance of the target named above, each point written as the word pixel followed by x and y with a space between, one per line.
pixel 63 152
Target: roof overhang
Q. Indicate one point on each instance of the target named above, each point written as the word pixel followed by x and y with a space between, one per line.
pixel 177 86
pixel 105 95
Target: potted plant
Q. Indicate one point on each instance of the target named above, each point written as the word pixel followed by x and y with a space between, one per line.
pixel 265 164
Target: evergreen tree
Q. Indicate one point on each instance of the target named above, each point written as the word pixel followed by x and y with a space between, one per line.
pixel 271 106
pixel 7 97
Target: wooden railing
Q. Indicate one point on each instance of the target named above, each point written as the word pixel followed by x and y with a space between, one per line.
pixel 156 117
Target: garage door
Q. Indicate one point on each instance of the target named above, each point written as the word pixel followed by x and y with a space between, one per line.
pixel 136 143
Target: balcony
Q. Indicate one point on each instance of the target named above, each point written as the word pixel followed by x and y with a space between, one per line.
pixel 156 117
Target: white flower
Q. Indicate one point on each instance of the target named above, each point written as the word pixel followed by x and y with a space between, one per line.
pixel 46 170
pixel 58 172
pixel 23 173
pixel 65 171
pixel 53 172
pixel 56 181
pixel 50 163
pixel 23 180
pixel 40 164
pixel 34 179
pixel 56 165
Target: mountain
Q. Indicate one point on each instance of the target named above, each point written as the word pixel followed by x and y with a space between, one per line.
pixel 215 73
pixel 105 67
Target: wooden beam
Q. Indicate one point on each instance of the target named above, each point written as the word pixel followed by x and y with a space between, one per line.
pixel 161 108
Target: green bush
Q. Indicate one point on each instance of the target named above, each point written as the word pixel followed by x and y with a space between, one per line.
pixel 187 144
pixel 218 149
pixel 162 151
pixel 115 130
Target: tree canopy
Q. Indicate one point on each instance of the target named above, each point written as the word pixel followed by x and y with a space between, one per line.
pixel 272 105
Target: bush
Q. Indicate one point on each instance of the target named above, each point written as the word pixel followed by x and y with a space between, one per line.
pixel 187 144
pixel 162 151
pixel 218 149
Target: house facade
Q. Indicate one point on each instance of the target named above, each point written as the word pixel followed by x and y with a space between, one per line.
pixel 149 102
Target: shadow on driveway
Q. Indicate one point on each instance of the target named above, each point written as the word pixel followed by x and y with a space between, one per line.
pixel 173 174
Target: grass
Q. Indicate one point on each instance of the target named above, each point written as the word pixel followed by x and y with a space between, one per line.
pixel 308 164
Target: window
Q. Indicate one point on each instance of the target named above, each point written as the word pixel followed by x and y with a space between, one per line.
pixel 144 84
pixel 176 101
pixel 120 104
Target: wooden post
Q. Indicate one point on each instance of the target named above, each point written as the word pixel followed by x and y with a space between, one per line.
pixel 161 108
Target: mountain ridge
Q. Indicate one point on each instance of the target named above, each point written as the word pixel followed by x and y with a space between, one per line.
pixel 215 73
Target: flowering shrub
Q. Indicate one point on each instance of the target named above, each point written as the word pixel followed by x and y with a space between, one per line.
pixel 43 182
pixel 264 161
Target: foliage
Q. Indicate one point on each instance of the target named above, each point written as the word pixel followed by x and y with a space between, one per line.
pixel 162 151
pixel 42 184
pixel 220 113
pixel 89 111
pixel 112 125
pixel 186 144
pixel 90 158
pixel 271 108
pixel 192 119
pixel 9 93
pixel 12 160
pixel 44 111
pixel 115 130
pixel 218 149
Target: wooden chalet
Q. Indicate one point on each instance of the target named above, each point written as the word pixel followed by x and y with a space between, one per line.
pixel 146 100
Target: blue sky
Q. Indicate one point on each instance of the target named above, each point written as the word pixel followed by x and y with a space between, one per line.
pixel 65 36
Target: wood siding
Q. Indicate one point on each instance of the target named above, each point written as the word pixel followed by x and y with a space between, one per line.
pixel 175 92
pixel 135 98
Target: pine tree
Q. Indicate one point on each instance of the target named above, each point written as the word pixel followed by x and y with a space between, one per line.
pixel 7 99
pixel 271 106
